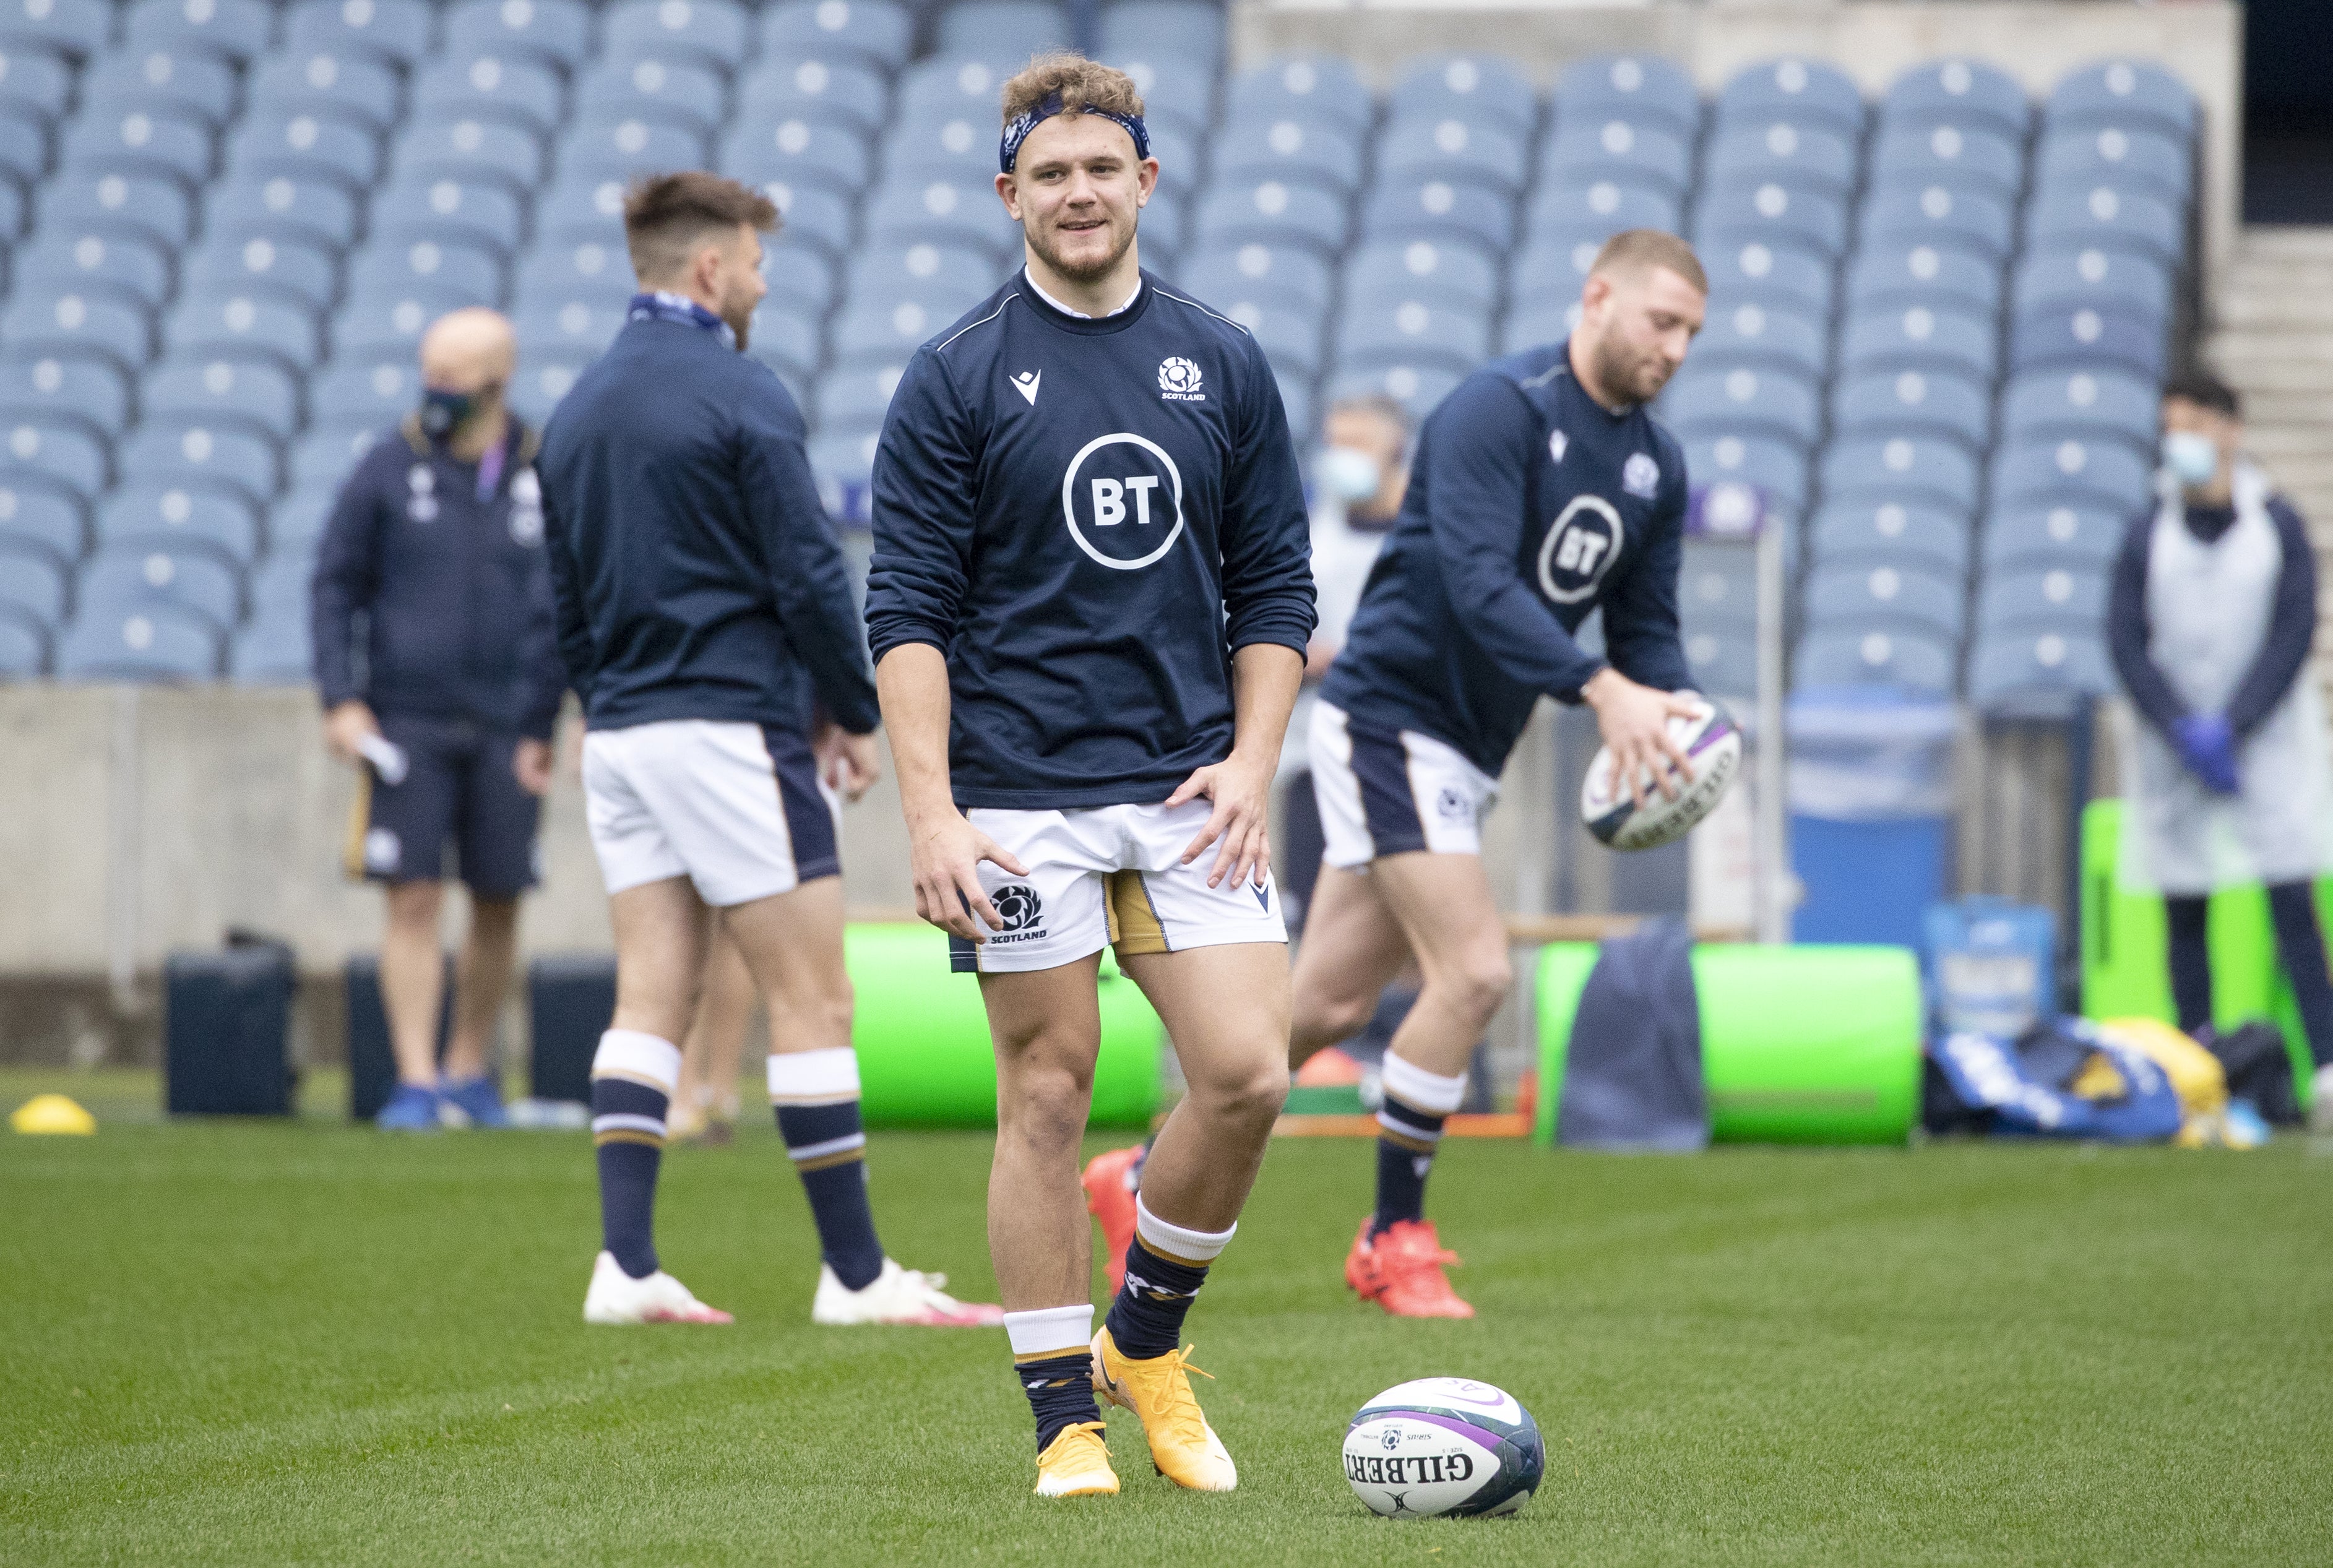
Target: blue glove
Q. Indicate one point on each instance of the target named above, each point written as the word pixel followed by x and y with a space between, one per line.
pixel 2208 746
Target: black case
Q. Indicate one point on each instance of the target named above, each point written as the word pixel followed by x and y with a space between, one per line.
pixel 570 998
pixel 227 1019
pixel 372 1065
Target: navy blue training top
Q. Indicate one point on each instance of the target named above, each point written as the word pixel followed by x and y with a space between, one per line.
pixel 1087 516
pixel 696 573
pixel 451 583
pixel 1530 504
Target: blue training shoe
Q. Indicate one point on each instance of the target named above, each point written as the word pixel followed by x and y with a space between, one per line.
pixel 412 1109
pixel 478 1101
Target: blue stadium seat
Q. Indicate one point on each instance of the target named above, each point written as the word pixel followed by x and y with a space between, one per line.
pixel 1717 586
pixel 1904 215
pixel 172 453
pixel 1852 597
pixel 1799 156
pixel 2119 91
pixel 2056 336
pixel 2040 595
pixel 840 91
pixel 48 520
pixel 628 149
pixel 1533 323
pixel 138 142
pixel 810 151
pixel 1729 217
pixel 1314 88
pixel 1793 88
pixel 295 526
pixel 1291 150
pixel 327 83
pixel 34 582
pixel 67 322
pixel 2072 470
pixel 1458 275
pixel 473 212
pixel 552 32
pixel 1905 660
pixel 875 32
pixel 1625 151
pixel 38 80
pixel 313 211
pixel 947 85
pixel 941 211
pixel 1722 659
pixel 1178 94
pixel 884 330
pixel 1743 401
pixel 1948 155
pixel 1292 339
pixel 1920 338
pixel 679 92
pixel 959 147
pixel 844 458
pixel 1764 336
pixel 2038 669
pixel 24 647
pixel 386 326
pixel 232 29
pixel 64 452
pixel 309 146
pixel 2134 158
pixel 1163 29
pixel 1927 469
pixel 574 272
pixel 371 399
pixel 1415 331
pixel 143 575
pixel 471 149
pixel 1483 89
pixel 429 268
pixel 950 277
pixel 1768 274
pixel 589 212
pixel 261 397
pixel 1958 92
pixel 153 206
pixel 25 147
pixel 2081 403
pixel 789 342
pixel 1292 276
pixel 2111 219
pixel 712 34
pixel 1895 278
pixel 518 89
pixel 1418 387
pixel 1934 540
pixel 1913 403
pixel 1567 213
pixel 181 82
pixel 153 641
pixel 1440 210
pixel 92 393
pixel 1775 465
pixel 272 649
pixel 1274 213
pixel 856 397
pixel 2098 278
pixel 801 278
pixel 563 327
pixel 13 210
pixel 180 518
pixel 244 325
pixel 1006 29
pixel 396 31
pixel 62 260
pixel 1632 87
pixel 2085 538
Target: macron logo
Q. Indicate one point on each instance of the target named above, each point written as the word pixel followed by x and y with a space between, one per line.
pixel 1025 384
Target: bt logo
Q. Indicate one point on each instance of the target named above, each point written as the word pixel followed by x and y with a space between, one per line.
pixel 1117 511
pixel 1579 549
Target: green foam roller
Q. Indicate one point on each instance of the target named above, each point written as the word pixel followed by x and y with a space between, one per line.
pixel 1817 1044
pixel 922 1036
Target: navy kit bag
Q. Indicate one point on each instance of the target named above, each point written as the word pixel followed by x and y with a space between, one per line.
pixel 227 1021
pixel 570 998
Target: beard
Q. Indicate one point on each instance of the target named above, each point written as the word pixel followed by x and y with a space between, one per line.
pixel 1047 246
pixel 738 313
pixel 1637 377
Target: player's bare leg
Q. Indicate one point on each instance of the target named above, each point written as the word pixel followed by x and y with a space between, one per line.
pixel 709 1055
pixel 413 978
pixel 1353 947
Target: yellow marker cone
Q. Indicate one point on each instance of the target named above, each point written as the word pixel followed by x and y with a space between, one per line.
pixel 52 1114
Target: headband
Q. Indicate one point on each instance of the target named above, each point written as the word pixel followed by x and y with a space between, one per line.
pixel 1008 151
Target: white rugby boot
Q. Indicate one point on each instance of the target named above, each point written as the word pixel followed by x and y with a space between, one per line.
pixel 2320 1101
pixel 616 1297
pixel 898 1296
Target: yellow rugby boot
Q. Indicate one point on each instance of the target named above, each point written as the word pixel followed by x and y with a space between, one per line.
pixel 1076 1464
pixel 1183 1447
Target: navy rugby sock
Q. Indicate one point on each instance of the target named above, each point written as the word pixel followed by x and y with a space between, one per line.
pixel 815 1094
pixel 1409 1130
pixel 1166 1265
pixel 1052 1358
pixel 632 1080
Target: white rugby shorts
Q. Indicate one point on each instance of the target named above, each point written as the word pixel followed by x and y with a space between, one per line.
pixel 738 809
pixel 1390 793
pixel 1110 877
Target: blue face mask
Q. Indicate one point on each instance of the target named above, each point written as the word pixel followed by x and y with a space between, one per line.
pixel 1348 473
pixel 2192 458
pixel 444 412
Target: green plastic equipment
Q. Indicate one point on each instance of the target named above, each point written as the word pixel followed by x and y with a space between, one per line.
pixel 922 1036
pixel 2124 971
pixel 1817 1044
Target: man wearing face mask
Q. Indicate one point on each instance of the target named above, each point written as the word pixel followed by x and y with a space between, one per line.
pixel 437 542
pixel 2212 611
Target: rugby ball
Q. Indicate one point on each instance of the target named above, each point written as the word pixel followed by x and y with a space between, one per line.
pixel 1710 738
pixel 1442 1446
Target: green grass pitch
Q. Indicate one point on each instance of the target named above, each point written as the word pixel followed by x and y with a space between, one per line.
pixel 305 1342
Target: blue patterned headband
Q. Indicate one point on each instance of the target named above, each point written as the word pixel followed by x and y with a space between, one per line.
pixel 1008 151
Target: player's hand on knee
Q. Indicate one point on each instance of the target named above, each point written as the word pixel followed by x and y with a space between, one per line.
pixel 1633 720
pixel 946 864
pixel 1238 825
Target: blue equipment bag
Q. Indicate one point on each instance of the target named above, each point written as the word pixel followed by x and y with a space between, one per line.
pixel 2020 1089
pixel 1990 965
pixel 225 1025
pixel 570 998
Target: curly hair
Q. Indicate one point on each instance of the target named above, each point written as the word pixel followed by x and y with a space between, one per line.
pixel 1079 81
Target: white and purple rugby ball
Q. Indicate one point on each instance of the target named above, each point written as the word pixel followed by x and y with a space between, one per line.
pixel 1713 741
pixel 1443 1447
